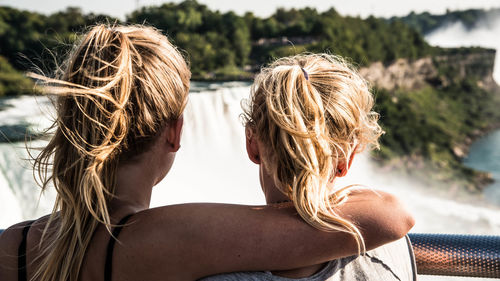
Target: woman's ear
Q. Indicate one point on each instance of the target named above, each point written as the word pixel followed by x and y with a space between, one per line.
pixel 174 132
pixel 343 166
pixel 252 146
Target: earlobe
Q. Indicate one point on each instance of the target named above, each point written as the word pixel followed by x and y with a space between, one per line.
pixel 174 132
pixel 252 146
pixel 340 172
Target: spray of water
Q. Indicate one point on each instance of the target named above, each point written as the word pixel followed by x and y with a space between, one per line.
pixel 212 166
pixel 485 34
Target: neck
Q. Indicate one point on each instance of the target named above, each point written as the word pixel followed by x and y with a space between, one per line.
pixel 271 191
pixel 274 195
pixel 135 178
pixel 134 185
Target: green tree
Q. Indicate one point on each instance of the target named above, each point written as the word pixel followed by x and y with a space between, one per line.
pixel 12 82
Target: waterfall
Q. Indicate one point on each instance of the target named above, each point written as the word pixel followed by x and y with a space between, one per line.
pixel 212 166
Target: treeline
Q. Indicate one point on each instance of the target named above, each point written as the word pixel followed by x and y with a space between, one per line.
pixel 215 40
pixel 33 35
pixel 29 40
pixel 218 45
pixel 425 22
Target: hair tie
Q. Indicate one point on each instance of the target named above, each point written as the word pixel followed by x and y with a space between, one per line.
pixel 305 73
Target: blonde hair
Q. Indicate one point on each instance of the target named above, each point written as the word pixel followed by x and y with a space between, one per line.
pixel 311 112
pixel 116 91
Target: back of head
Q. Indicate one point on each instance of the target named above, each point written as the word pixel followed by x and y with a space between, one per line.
pixel 311 113
pixel 115 92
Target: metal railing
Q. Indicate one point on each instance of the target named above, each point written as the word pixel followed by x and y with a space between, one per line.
pixel 455 255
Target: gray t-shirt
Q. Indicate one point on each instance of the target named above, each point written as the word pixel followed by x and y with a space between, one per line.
pixel 393 261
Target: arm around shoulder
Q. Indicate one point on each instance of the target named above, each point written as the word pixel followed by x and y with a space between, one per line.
pixel 205 239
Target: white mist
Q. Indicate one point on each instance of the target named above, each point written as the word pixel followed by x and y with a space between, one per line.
pixel 487 34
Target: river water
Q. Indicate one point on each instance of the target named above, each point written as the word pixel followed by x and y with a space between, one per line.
pixel 484 155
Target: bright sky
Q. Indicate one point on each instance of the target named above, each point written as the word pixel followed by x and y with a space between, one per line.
pixel 384 8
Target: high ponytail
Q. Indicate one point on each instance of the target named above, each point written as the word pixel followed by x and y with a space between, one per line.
pixel 116 91
pixel 312 112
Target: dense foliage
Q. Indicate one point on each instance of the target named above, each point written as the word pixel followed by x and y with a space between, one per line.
pixel 12 82
pixel 218 45
pixel 31 35
pixel 425 22
pixel 214 40
pixel 431 126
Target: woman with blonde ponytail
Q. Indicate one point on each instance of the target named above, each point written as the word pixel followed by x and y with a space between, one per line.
pixel 119 99
pixel 307 117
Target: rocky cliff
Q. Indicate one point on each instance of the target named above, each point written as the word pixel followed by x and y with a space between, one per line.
pixel 441 70
pixel 402 74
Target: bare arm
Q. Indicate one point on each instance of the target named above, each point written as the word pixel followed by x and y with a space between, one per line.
pixel 194 240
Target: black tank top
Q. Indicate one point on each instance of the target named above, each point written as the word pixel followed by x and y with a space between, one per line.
pixel 22 274
pixel 108 266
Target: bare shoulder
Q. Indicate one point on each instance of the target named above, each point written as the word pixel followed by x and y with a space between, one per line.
pixel 9 244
